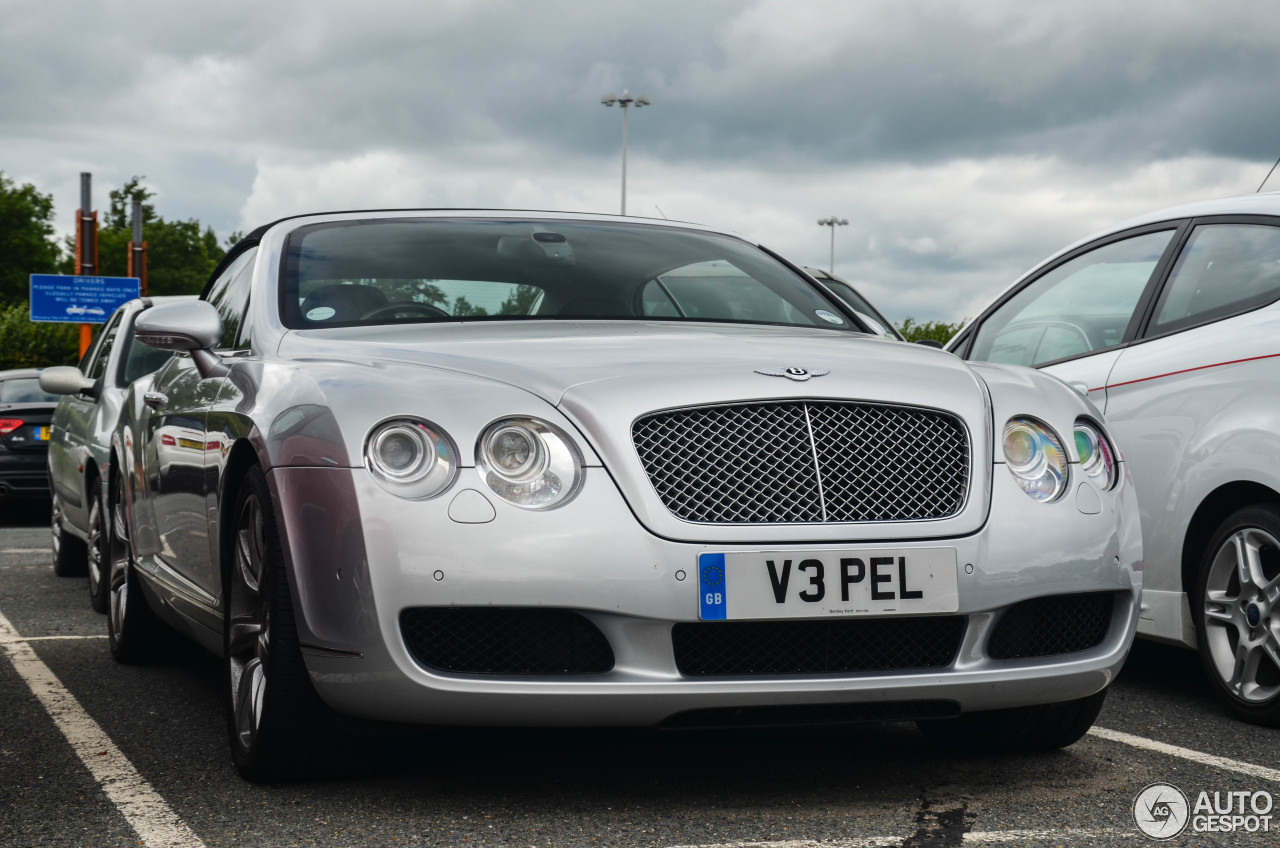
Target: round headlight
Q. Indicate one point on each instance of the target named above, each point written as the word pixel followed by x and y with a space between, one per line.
pixel 1097 460
pixel 516 451
pixel 411 457
pixel 1034 456
pixel 528 463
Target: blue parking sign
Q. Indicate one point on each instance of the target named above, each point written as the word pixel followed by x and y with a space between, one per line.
pixel 79 300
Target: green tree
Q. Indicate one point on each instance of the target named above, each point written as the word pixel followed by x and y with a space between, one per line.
pixel 181 255
pixel 520 301
pixel 938 331
pixel 463 308
pixel 27 244
pixel 26 344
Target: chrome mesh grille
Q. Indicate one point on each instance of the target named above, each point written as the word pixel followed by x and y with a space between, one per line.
pixel 805 462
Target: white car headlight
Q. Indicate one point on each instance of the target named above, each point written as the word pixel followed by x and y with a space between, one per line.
pixel 411 457
pixel 529 463
pixel 1097 460
pixel 1034 456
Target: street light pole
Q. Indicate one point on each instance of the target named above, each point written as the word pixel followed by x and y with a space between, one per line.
pixel 625 101
pixel 833 222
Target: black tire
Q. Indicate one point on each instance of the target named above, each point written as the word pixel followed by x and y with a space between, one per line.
pixel 277 726
pixel 70 555
pixel 1238 621
pixel 99 551
pixel 1045 727
pixel 134 634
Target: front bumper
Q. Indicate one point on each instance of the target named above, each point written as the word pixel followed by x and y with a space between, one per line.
pixel 358 557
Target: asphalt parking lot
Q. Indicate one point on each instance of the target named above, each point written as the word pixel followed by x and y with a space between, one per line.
pixel 95 754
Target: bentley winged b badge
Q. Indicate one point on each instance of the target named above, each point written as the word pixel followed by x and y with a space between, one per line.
pixel 793 373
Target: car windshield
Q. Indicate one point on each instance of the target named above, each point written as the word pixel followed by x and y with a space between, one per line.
pixel 25 390
pixel 860 305
pixel 438 269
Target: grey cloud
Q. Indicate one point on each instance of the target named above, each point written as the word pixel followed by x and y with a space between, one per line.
pixel 797 101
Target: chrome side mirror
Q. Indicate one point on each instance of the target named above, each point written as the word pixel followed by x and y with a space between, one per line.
pixel 67 380
pixel 192 326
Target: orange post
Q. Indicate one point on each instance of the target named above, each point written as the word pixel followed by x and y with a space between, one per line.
pixel 86 228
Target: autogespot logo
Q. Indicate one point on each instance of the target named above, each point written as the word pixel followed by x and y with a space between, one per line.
pixel 1161 811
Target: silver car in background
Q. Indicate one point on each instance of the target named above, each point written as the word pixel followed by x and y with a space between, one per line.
pixel 1171 324
pixel 80 440
pixel 443 467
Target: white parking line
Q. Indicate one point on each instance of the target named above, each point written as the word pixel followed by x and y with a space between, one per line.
pixel 1186 754
pixel 154 821
pixel 5 640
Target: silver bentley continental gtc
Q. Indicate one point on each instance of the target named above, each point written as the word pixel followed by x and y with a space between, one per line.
pixel 496 468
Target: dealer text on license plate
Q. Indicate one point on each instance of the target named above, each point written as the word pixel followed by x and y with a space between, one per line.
pixel 821 584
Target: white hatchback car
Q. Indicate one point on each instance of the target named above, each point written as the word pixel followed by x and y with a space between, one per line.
pixel 1170 323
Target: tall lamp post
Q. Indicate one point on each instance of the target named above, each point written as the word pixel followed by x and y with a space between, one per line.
pixel 624 101
pixel 833 222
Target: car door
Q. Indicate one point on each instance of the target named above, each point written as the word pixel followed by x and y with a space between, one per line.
pixel 73 429
pixel 173 426
pixel 1194 401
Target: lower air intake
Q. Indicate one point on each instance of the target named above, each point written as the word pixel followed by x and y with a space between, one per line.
pixel 468 640
pixel 1057 624
pixel 813 647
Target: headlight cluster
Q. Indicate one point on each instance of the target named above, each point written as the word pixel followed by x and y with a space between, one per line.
pixel 526 462
pixel 1097 460
pixel 411 457
pixel 1035 457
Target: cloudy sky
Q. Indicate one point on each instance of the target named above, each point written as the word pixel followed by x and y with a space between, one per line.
pixel 962 141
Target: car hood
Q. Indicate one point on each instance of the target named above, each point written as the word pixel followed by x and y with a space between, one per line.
pixel 553 359
pixel 604 375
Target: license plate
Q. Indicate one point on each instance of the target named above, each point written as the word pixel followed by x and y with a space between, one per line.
pixel 824 584
pixel 42 434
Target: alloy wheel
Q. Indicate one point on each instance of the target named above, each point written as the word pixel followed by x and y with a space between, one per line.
pixel 55 524
pixel 118 601
pixel 96 528
pixel 1242 615
pixel 249 620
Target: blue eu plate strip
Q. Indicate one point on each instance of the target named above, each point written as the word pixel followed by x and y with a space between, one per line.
pixel 711 595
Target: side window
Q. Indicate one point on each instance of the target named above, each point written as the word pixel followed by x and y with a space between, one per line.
pixel 140 360
pixel 102 351
pixel 230 295
pixel 91 355
pixel 1224 269
pixel 1080 306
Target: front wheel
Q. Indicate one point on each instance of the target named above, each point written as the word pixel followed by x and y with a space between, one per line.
pixel 99 552
pixel 133 631
pixel 1044 727
pixel 275 719
pixel 1238 615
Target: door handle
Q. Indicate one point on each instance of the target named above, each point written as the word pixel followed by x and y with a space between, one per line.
pixel 155 400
